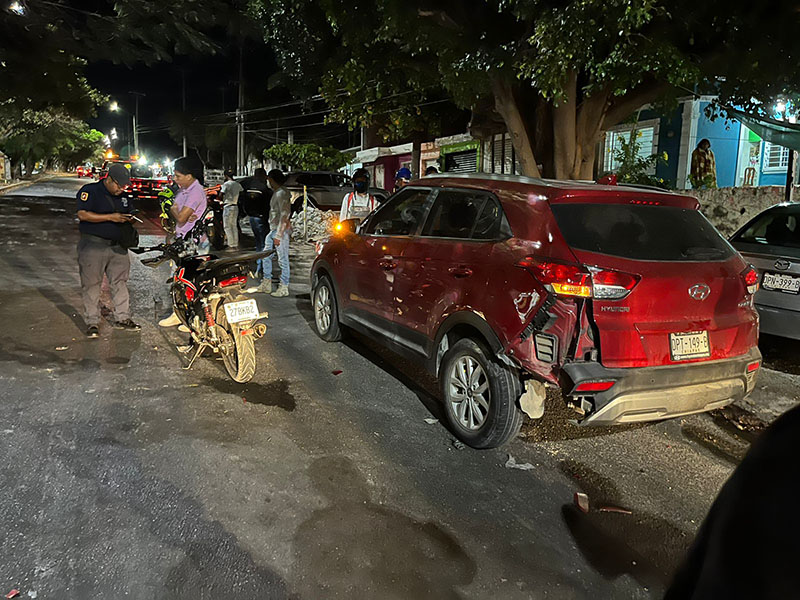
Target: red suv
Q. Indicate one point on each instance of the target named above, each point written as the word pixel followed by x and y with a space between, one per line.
pixel 626 298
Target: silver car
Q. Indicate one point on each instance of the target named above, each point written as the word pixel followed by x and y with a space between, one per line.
pixel 771 242
pixel 325 189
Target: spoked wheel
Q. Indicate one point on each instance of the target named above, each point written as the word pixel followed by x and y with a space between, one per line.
pixel 480 395
pixel 238 351
pixel 326 314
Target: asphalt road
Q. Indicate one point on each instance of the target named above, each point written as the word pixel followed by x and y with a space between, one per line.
pixel 125 476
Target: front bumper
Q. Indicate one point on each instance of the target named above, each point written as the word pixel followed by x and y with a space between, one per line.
pixel 653 393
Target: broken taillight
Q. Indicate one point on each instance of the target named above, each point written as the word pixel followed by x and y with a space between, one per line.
pixel 750 276
pixel 577 280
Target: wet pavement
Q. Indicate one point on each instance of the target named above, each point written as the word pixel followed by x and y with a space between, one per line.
pixel 126 476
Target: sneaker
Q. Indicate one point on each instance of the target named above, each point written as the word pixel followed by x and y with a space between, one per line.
pixel 265 287
pixel 92 332
pixel 169 321
pixel 183 328
pixel 281 292
pixel 127 325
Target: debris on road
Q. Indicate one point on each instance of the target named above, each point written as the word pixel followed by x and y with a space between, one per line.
pixel 513 464
pixel 430 421
pixel 458 445
pixel 12 594
pixel 615 509
pixel 582 501
pixel 337 372
pixel 60 348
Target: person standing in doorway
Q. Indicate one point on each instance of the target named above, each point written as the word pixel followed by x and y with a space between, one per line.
pixel 280 228
pixel 358 203
pixel 703 173
pixel 102 209
pixel 230 212
pixel 255 205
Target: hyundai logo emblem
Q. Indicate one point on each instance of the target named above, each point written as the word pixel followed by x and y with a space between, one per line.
pixel 782 264
pixel 699 291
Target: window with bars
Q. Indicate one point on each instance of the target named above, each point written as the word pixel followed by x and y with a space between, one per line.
pixel 646 137
pixel 776 158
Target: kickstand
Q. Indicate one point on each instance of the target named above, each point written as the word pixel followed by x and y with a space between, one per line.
pixel 197 353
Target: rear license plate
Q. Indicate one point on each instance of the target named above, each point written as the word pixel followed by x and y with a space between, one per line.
pixel 684 346
pixel 246 310
pixel 780 282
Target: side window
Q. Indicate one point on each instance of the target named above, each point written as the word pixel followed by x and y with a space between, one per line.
pixel 314 179
pixel 402 215
pixel 341 180
pixel 775 228
pixel 466 214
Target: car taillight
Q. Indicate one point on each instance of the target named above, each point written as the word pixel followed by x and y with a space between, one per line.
pixel 753 366
pixel 750 277
pixel 595 386
pixel 238 280
pixel 612 285
pixel 577 280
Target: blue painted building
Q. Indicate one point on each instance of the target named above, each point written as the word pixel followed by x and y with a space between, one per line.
pixel 742 157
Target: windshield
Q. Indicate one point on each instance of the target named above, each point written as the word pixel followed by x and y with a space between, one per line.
pixel 641 232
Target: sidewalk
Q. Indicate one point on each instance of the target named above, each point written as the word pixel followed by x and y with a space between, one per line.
pixel 14 185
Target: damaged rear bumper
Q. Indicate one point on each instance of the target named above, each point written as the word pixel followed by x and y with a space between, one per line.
pixel 653 393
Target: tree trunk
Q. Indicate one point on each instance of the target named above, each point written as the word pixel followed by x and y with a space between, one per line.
pixel 564 130
pixel 509 108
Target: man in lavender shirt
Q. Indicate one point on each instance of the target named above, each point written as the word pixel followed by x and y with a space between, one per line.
pixel 189 205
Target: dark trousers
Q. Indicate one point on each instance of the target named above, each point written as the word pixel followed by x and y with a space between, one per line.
pixel 260 229
pixel 95 259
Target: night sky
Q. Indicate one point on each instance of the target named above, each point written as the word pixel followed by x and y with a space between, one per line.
pixel 211 89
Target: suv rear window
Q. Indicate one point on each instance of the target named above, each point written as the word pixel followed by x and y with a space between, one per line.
pixel 641 232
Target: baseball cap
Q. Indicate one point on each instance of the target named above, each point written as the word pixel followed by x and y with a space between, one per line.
pixel 120 174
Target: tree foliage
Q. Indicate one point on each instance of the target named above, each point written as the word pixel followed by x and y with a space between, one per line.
pixel 48 136
pixel 308 157
pixel 634 168
pixel 555 75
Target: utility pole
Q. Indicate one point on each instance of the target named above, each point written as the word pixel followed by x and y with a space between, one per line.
pixel 240 157
pixel 135 122
pixel 183 104
pixel 290 136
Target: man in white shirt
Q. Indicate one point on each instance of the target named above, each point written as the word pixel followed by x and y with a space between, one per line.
pixel 358 203
pixel 230 212
pixel 280 229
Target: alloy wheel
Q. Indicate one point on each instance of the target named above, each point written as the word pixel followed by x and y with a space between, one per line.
pixel 469 396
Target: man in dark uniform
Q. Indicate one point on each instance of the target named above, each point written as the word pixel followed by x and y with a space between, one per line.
pixel 101 211
pixel 255 199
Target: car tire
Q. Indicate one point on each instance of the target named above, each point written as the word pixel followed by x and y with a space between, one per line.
pixel 480 396
pixel 326 311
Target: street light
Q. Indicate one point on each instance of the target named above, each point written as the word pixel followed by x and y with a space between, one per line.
pixel 17 8
pixel 115 107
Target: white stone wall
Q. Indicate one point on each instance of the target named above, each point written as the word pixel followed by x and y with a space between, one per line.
pixel 730 208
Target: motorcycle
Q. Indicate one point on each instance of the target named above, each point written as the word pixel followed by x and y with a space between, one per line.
pixel 208 297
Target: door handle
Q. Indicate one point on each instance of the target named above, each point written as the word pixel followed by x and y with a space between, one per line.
pixel 460 272
pixel 387 264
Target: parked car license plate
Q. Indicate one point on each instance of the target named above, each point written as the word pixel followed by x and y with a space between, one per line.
pixel 246 310
pixel 684 346
pixel 781 283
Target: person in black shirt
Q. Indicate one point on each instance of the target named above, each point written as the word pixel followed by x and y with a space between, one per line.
pixel 101 210
pixel 256 195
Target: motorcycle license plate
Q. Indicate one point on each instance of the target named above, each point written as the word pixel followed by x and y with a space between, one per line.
pixel 246 310
pixel 684 346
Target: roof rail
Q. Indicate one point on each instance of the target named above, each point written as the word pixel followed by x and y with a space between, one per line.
pixel 489 176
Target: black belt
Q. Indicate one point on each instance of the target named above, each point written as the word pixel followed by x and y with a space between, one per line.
pixel 96 239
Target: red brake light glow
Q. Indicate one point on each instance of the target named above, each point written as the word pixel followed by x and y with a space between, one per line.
pixel 189 292
pixel 595 386
pixel 750 277
pixel 646 202
pixel 238 280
